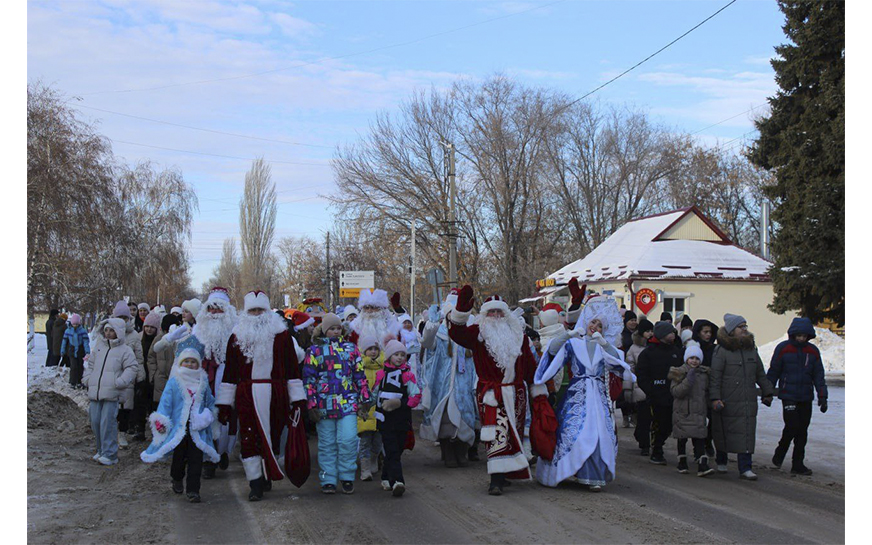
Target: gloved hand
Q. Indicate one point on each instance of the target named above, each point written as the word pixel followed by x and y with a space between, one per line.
pixel 224 413
pixel 158 425
pixel 574 333
pixel 315 415
pixel 576 291
pixel 395 302
pixel 433 313
pixel 178 333
pixel 717 405
pixel 391 404
pixel 767 401
pixel 599 339
pixel 691 376
pixel 465 299
pixel 822 403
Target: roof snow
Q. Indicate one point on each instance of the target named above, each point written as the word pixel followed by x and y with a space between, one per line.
pixel 678 244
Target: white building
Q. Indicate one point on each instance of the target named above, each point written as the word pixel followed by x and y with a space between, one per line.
pixel 687 261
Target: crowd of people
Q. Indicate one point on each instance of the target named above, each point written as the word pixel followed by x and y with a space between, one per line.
pixel 542 400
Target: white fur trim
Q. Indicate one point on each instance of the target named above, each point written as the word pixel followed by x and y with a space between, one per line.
pixel 304 325
pixel 572 316
pixel 296 390
pixel 538 390
pixel 495 305
pixel 508 464
pixel 374 298
pixel 209 451
pixel 488 433
pixel 167 425
pixel 458 317
pixel 256 300
pixel 201 420
pixel 490 399
pixel 225 394
pixel 253 467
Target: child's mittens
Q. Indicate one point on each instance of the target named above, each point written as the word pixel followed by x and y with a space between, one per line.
pixel 391 404
pixel 691 376
pixel 158 425
pixel 201 420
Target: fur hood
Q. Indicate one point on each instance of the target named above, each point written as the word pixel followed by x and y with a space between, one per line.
pixel 678 373
pixel 639 340
pixel 732 343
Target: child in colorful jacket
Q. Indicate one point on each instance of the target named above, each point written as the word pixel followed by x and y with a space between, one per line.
pixel 370 438
pixel 397 393
pixel 183 423
pixel 338 394
pixel 76 342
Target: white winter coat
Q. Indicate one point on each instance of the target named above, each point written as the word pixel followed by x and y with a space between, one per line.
pixel 112 366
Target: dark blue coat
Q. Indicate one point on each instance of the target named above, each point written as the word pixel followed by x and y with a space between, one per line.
pixel 798 367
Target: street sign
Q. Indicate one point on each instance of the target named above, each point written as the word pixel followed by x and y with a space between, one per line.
pixel 356 280
pixel 349 292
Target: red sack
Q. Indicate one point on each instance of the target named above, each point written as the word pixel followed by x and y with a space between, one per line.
pixel 297 461
pixel 410 440
pixel 543 428
pixel 616 386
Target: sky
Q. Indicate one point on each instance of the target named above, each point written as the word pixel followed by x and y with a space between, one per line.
pixel 292 81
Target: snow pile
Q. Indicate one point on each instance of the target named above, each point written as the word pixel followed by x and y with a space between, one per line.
pixel 832 349
pixel 53 379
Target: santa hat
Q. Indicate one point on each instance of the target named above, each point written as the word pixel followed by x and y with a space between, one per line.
pixel 549 317
pixel 374 298
pixel 153 320
pixel 302 320
pixel 553 306
pixel 349 310
pixel 393 347
pixel 121 310
pixel 403 317
pixel 495 302
pixel 192 306
pixel 256 299
pixel 142 306
pixel 218 294
pixel 75 320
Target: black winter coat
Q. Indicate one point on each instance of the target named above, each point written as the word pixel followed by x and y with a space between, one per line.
pixel 49 325
pixel 708 347
pixel 652 371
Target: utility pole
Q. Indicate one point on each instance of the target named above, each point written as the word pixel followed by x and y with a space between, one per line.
pixel 452 220
pixel 412 275
pixel 329 278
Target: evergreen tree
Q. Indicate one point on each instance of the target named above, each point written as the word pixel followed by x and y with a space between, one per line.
pixel 803 143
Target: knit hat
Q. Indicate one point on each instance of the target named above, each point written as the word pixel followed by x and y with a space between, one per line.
pixel 185 354
pixel 153 320
pixel 367 341
pixel 330 320
pixel 141 306
pixel 732 321
pixel 75 320
pixel 665 316
pixel 686 321
pixel 644 325
pixel 693 350
pixel 686 335
pixel 629 315
pixel 176 310
pixel 349 311
pixel 662 329
pixel 393 347
pixel 192 306
pixel 121 310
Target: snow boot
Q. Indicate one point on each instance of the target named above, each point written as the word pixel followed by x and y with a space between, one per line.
pixel 460 448
pixel 800 469
pixel 682 463
pixel 348 487
pixel 703 469
pixel 496 484
pixel 365 469
pixel 256 493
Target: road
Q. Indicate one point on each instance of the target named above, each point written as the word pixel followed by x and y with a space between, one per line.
pixel 68 493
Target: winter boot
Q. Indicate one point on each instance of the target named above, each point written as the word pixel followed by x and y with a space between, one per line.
pixel 208 470
pixel 178 487
pixel 778 457
pixel 193 497
pixel 496 484
pixel 348 487
pixel 256 493
pixel 703 469
pixel 448 453
pixel 682 463
pixel 460 448
pixel 365 469
pixel 658 459
pixel 398 489
pixel 800 469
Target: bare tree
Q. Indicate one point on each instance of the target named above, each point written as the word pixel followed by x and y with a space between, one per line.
pixel 227 273
pixel 257 219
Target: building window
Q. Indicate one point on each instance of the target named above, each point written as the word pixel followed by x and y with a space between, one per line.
pixel 676 306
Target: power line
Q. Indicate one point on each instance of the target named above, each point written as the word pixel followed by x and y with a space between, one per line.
pixel 649 57
pixel 727 119
pixel 317 61
pixel 202 129
pixel 215 154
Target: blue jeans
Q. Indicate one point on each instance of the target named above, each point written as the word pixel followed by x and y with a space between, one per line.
pixel 337 449
pixel 744 459
pixel 105 428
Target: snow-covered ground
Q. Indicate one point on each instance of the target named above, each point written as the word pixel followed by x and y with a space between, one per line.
pixel 832 349
pixel 55 379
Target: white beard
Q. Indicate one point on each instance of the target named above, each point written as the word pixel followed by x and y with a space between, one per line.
pixel 214 330
pixel 381 325
pixel 503 338
pixel 255 334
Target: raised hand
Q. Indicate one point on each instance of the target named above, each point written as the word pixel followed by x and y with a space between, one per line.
pixel 465 299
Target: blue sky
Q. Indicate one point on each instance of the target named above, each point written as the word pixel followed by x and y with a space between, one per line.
pixel 92 49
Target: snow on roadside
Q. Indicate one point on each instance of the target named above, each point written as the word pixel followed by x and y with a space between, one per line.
pixel 832 349
pixel 54 379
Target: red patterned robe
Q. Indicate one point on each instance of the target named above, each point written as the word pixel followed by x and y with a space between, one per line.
pixel 502 400
pixel 263 393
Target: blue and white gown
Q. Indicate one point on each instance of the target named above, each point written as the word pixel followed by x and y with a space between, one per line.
pixel 586 442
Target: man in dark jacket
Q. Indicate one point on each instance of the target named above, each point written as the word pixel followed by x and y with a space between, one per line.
pixel 797 370
pixel 652 370
pixel 50 359
pixel 630 325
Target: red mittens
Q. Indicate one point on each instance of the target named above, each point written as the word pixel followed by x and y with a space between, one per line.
pixel 465 299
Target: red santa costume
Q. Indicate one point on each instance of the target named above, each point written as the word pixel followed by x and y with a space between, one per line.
pixel 505 365
pixel 262 379
pixel 375 318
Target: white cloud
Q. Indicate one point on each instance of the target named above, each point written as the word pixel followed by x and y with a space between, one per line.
pixel 293 27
